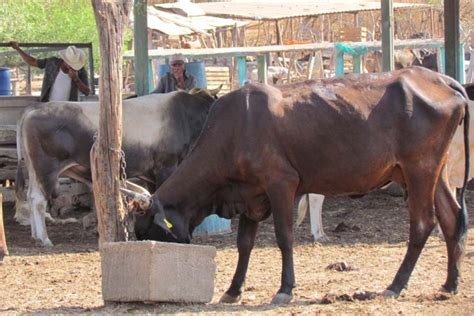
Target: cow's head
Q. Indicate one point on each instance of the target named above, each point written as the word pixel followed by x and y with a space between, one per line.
pixel 152 223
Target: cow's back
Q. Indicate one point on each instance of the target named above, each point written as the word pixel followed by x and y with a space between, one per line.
pixel 158 135
pixel 336 133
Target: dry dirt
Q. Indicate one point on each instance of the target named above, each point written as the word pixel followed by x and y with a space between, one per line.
pixel 66 279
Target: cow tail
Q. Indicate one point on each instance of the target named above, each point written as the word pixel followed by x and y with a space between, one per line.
pixel 303 207
pixel 463 220
pixel 462 223
pixel 20 178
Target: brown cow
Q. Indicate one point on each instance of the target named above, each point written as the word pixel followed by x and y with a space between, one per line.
pixel 263 145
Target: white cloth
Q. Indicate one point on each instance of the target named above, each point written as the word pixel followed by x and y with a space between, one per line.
pixel 61 88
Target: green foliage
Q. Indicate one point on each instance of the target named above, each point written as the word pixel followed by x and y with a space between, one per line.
pixel 49 21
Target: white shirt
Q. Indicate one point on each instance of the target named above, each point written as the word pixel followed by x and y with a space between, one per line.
pixel 61 88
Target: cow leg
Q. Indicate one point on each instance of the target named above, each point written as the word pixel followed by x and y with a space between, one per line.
pixel 281 199
pixel 447 211
pixel 245 243
pixel 38 205
pixel 316 218
pixel 22 211
pixel 422 222
pixel 438 230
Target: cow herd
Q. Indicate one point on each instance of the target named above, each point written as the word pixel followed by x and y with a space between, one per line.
pixel 255 150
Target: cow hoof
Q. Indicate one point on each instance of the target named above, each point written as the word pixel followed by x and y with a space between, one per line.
pixel 389 294
pixel 22 221
pixel 47 243
pixel 446 289
pixel 281 298
pixel 322 239
pixel 227 299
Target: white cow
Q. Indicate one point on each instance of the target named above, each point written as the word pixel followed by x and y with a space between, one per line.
pixel 455 170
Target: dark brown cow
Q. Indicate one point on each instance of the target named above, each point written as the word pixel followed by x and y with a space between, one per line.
pixel 263 145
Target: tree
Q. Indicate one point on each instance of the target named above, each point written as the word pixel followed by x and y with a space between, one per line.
pixel 111 17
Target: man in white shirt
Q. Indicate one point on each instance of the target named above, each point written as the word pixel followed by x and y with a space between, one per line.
pixel 63 77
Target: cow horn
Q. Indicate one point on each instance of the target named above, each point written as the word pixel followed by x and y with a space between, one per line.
pixel 137 188
pixel 215 91
pixel 143 200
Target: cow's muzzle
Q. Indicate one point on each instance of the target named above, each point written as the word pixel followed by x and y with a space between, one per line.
pixel 143 200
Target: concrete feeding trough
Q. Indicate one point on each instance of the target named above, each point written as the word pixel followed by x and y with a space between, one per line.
pixel 157 271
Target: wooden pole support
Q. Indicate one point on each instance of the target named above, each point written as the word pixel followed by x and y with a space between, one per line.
pixel 339 63
pixel 241 70
pixel 387 35
pixel 357 64
pixel 262 68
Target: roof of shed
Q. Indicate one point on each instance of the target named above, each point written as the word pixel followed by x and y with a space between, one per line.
pixel 281 9
pixel 175 25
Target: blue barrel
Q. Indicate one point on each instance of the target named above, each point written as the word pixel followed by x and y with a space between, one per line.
pixel 197 69
pixel 213 225
pixel 5 83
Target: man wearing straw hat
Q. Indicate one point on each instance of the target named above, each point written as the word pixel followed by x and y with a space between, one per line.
pixel 176 78
pixel 63 76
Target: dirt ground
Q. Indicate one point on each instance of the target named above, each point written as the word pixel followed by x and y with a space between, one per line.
pixel 67 278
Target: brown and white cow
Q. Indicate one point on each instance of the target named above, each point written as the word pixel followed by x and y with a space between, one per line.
pixel 263 145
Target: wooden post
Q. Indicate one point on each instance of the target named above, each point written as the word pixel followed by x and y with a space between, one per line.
pixel 279 35
pixel 140 43
pixel 321 27
pixel 3 241
pixel 387 35
pixel 451 38
pixel 241 69
pixel 111 18
pixel 461 72
pixel 262 68
pixel 432 27
pixel 357 64
pixel 339 63
pixel 29 79
pixel 312 59
pixel 441 59
pixel 91 69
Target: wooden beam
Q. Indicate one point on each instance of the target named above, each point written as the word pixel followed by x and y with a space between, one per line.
pixel 111 18
pixel 7 135
pixel 451 38
pixel 387 35
pixel 140 43
pixel 258 50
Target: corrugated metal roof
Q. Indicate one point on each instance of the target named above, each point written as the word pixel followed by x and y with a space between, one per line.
pixel 175 25
pixel 280 9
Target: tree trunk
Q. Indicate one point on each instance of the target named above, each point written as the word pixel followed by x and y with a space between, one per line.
pixel 111 17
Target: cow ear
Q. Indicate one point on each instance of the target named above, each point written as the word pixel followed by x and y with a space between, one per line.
pixel 160 219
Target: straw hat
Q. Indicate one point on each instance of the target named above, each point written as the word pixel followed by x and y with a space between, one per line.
pixel 177 58
pixel 74 57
